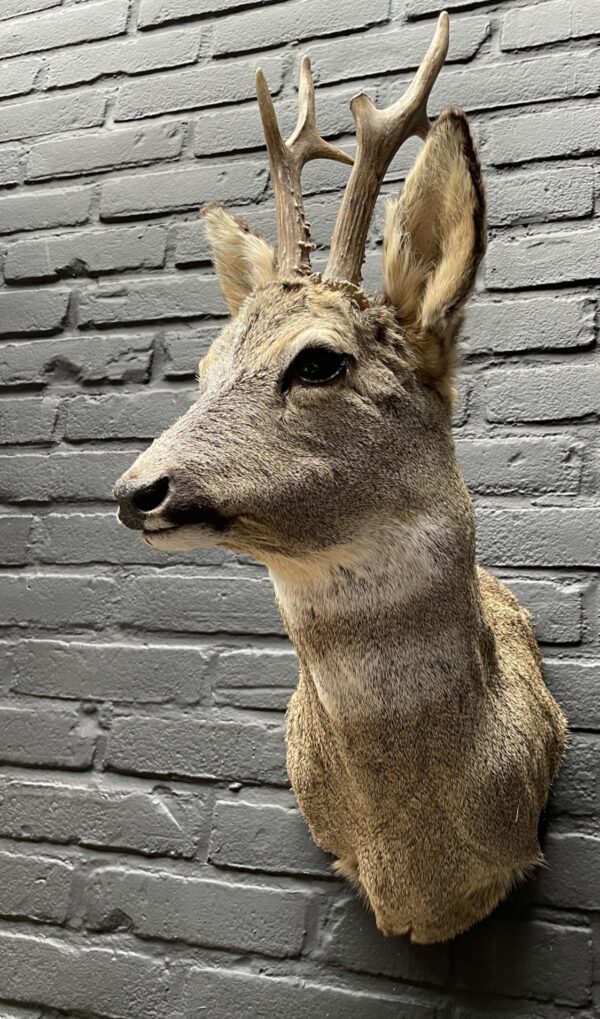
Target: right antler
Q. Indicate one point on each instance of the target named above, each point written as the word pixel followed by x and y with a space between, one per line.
pixel 286 160
pixel 379 134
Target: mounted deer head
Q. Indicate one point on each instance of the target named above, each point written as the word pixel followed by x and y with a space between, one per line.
pixel 421 739
pixel 315 389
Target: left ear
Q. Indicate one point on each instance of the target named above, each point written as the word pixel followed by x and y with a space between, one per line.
pixel 434 240
pixel 242 259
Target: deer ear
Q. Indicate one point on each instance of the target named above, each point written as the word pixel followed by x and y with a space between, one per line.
pixel 434 240
pixel 242 259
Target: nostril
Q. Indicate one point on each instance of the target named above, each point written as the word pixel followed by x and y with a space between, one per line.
pixel 150 497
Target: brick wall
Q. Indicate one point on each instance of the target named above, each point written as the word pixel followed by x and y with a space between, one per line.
pixel 152 862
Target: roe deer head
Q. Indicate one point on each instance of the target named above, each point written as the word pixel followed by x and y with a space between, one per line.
pixel 421 739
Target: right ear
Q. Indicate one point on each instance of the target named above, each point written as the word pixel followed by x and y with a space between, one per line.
pixel 242 259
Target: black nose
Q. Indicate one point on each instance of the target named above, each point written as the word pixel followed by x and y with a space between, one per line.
pixel 136 498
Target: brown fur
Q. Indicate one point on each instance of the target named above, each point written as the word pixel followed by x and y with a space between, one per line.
pixel 432 802
pixel 421 739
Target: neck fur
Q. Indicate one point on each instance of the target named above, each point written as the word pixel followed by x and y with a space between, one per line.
pixel 393 617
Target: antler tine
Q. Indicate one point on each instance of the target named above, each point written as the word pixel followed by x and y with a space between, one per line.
pixel 379 135
pixel 286 161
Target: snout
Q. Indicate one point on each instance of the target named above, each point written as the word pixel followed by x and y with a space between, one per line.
pixel 166 503
pixel 137 499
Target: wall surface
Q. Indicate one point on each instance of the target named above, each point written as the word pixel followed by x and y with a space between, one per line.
pixel 152 862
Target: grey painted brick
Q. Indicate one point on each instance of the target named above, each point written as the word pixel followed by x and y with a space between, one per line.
pixel 253 678
pixel 264 837
pixel 562 131
pixel 10 164
pixel 189 188
pixel 55 600
pixel 539 196
pixel 392 49
pixel 27 420
pixel 167 297
pixel 44 209
pixel 15 1012
pixel 111 250
pixel 99 538
pixel 577 789
pixel 540 259
pixel 27 312
pixel 353 941
pixel 540 960
pixel 51 115
pixel 107 150
pixel 530 323
pixel 19 78
pixel 512 83
pixel 85 359
pixel 74 976
pixel 60 477
pixel 121 672
pixel 528 465
pixel 293 21
pixel 63 28
pixel 135 56
pixel 200 604
pixel 223 130
pixel 199 911
pixel 546 536
pixel 223 993
pixel 13 8
pixel 238 751
pixel 574 683
pixel 193 247
pixel 90 813
pixel 556 608
pixel 322 177
pixel 14 536
pixel 51 738
pixel 571 877
pixel 542 393
pixel 227 81
pixel 158 12
pixel 73 538
pixel 34 887
pixel 537 25
pixel 139 416
pixel 183 352
pixel 416 7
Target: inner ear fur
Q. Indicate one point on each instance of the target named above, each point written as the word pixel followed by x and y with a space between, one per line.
pixel 434 240
pixel 243 260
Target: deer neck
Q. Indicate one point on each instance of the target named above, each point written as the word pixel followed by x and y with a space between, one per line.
pixel 391 621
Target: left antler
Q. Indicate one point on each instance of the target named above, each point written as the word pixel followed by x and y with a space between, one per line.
pixel 286 160
pixel 379 134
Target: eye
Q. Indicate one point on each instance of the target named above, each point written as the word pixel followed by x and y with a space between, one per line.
pixel 315 366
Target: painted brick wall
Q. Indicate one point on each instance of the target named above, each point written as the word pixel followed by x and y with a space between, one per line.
pixel 152 862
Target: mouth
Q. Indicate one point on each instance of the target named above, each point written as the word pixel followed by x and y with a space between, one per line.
pixel 178 537
pixel 158 530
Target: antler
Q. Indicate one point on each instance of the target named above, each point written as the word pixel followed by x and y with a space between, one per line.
pixel 379 134
pixel 286 160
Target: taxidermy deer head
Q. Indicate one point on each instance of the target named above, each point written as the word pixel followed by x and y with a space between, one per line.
pixel 422 740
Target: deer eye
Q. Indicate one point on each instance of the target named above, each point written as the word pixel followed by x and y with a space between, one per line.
pixel 315 366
